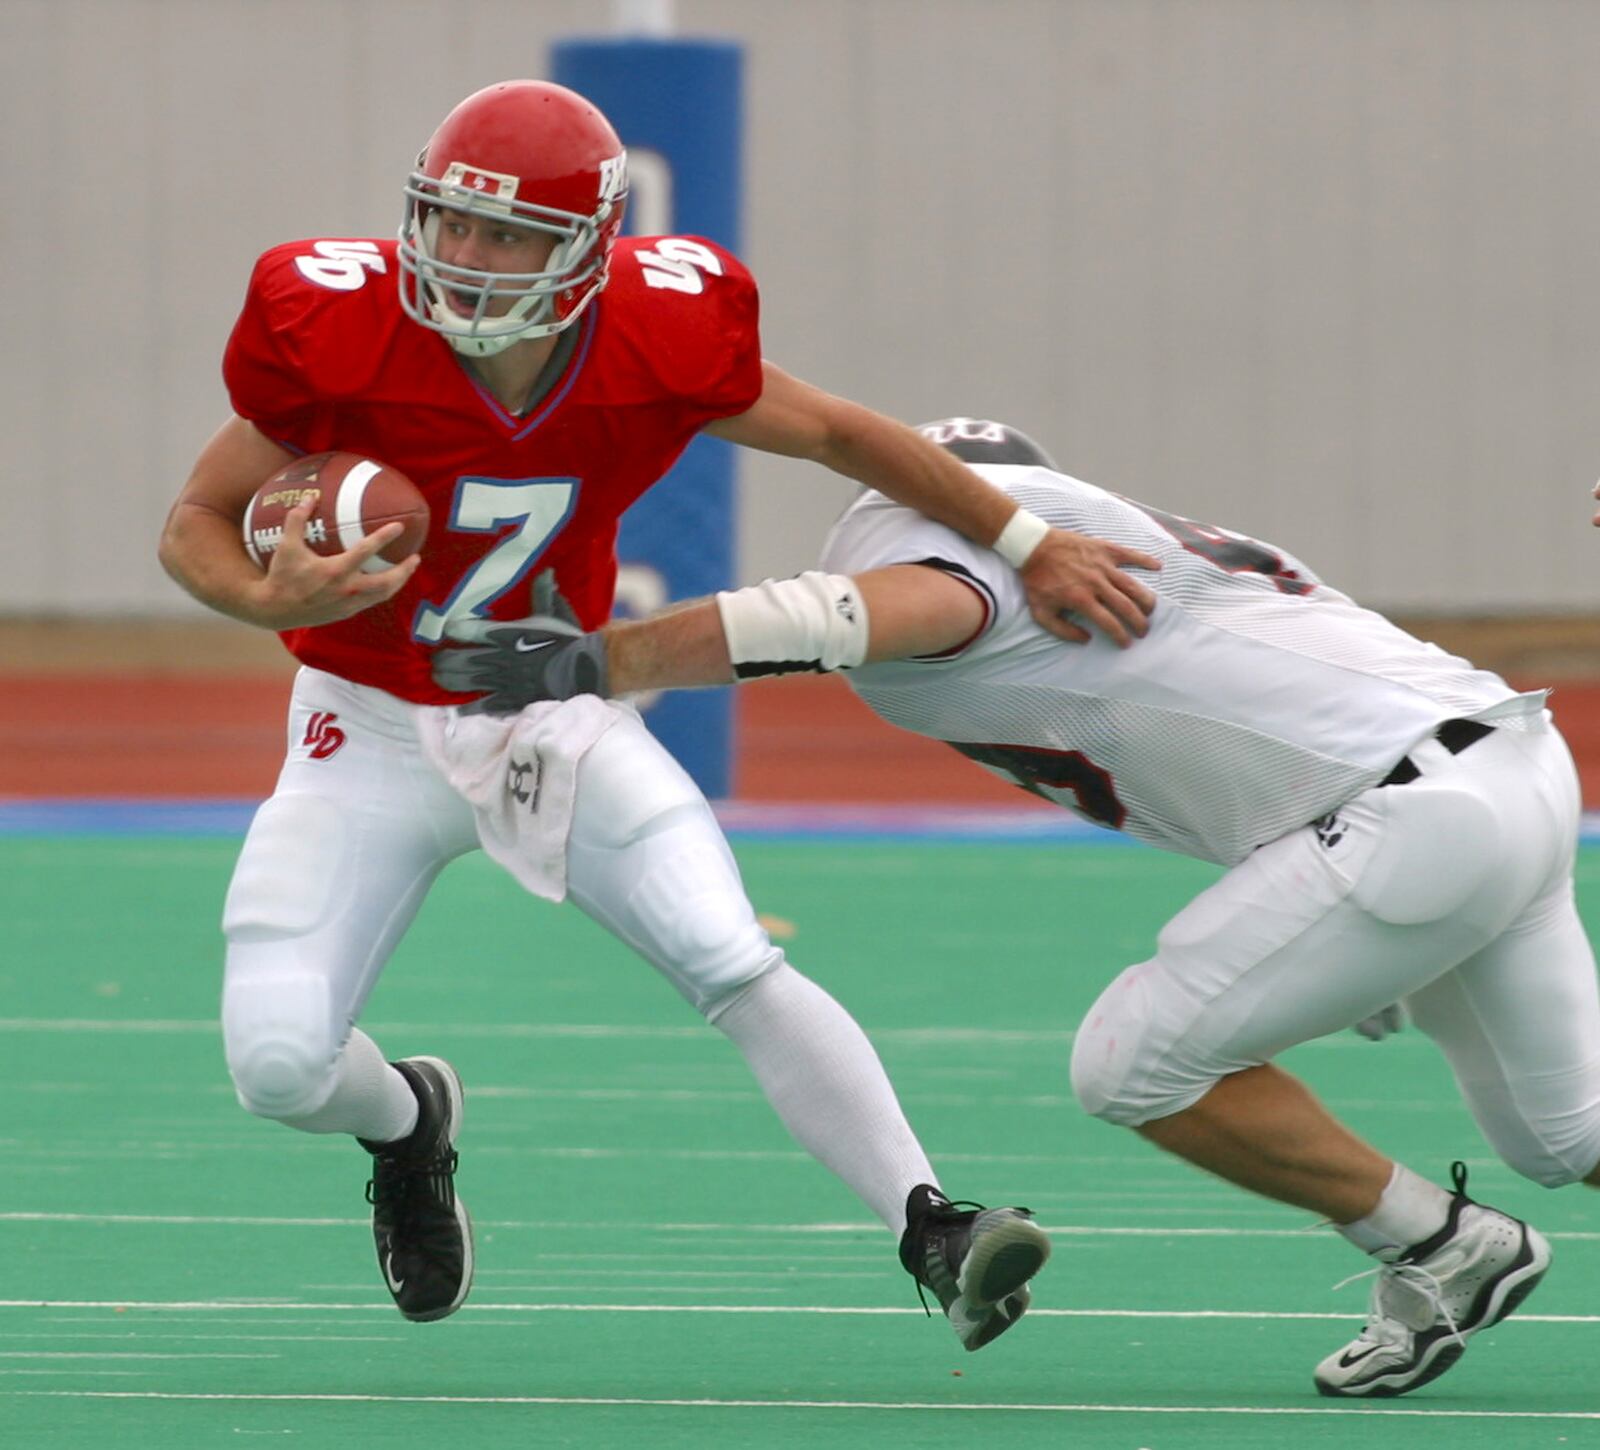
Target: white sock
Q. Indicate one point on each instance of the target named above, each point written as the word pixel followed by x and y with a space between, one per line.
pixel 1410 1210
pixel 823 1078
pixel 369 1099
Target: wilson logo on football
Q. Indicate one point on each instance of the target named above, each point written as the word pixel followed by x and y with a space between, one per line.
pixel 323 736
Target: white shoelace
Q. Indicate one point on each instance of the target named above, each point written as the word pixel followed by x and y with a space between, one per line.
pixel 1415 1283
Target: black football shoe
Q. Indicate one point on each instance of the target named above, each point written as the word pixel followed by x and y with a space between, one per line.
pixel 976 1260
pixel 422 1230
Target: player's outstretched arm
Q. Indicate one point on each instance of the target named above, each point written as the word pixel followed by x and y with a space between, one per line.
pixel 772 628
pixel 1067 576
pixel 906 609
pixel 202 549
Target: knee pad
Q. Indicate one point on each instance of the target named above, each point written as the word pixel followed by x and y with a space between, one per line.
pixel 1107 1043
pixel 1121 1071
pixel 280 1039
pixel 289 872
pixel 657 869
pixel 697 923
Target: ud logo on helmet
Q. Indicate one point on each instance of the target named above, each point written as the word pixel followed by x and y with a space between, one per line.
pixel 982 440
pixel 459 176
pixel 536 157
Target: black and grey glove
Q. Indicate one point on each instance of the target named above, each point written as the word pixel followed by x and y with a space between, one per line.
pixel 517 664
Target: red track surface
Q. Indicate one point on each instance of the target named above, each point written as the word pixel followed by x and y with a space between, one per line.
pixel 799 740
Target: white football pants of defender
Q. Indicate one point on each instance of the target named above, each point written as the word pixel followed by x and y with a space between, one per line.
pixel 338 861
pixel 1452 892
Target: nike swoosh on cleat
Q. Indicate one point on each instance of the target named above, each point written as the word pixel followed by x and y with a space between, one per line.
pixel 395 1285
pixel 1347 1359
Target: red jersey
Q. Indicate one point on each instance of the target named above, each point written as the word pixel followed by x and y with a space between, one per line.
pixel 322 357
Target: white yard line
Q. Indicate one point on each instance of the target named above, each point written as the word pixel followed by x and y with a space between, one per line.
pixel 117 1354
pixel 470 1310
pixel 919 1405
pixel 762 1229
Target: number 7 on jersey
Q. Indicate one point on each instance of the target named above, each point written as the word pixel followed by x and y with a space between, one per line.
pixel 538 507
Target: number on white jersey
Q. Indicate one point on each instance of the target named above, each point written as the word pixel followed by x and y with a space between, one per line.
pixel 342 266
pixel 1032 766
pixel 679 264
pixel 538 507
pixel 1236 553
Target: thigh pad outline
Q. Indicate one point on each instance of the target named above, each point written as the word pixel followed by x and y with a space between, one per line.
pixel 290 870
pixel 1440 846
pixel 626 784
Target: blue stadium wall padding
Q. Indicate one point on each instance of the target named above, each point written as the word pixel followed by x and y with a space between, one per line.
pixel 677 104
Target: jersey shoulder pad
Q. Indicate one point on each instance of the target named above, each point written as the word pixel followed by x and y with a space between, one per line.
pixel 875 532
pixel 687 313
pixel 315 324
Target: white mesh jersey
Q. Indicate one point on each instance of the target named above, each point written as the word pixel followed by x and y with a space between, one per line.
pixel 1260 699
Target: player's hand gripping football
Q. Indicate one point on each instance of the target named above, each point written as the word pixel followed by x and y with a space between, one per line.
pixel 514 663
pixel 1071 577
pixel 302 588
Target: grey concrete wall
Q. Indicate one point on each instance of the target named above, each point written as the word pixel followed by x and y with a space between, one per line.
pixel 1324 270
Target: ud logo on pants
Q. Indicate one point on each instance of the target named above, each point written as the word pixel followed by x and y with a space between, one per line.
pixel 323 736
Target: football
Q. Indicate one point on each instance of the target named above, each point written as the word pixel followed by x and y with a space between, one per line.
pixel 353 496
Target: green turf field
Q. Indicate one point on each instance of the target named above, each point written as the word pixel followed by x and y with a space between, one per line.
pixel 658 1264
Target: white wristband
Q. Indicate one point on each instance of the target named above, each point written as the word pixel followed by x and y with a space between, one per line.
pixel 1020 537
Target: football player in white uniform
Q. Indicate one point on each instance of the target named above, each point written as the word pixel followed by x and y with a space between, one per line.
pixel 1398 827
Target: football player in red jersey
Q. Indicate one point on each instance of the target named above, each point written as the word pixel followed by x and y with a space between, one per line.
pixel 534 374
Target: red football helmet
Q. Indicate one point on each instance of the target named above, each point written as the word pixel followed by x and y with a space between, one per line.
pixel 536 156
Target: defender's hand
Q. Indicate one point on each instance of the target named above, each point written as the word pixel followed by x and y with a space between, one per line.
pixel 1074 574
pixel 519 664
pixel 1385 1023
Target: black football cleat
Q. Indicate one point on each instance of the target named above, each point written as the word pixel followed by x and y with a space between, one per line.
pixel 976 1260
pixel 422 1230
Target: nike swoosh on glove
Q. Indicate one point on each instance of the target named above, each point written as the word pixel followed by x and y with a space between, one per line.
pixel 519 664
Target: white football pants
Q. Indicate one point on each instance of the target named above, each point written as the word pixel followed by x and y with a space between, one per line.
pixel 1452 892
pixel 338 861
